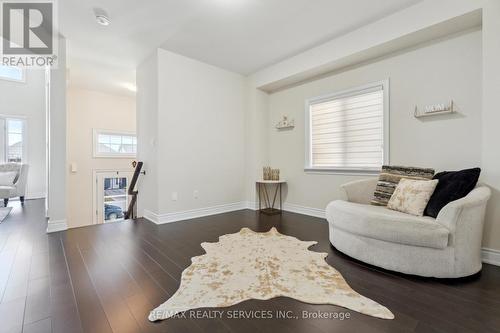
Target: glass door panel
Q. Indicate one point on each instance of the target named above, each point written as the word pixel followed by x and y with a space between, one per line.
pixel 112 196
pixel 115 198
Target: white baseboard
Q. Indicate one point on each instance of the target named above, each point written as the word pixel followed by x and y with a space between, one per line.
pixel 55 226
pixel 289 207
pixel 251 205
pixel 491 256
pixel 316 212
pixel 35 195
pixel 193 213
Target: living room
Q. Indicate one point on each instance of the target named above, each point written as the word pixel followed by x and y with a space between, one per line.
pixel 295 167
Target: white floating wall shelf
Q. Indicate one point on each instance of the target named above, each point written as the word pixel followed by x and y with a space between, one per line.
pixel 434 110
pixel 285 123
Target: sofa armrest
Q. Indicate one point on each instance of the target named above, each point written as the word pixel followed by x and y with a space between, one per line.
pixel 465 220
pixel 360 191
pixel 20 184
pixel 462 208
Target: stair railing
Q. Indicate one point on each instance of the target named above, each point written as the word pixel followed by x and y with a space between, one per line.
pixel 132 206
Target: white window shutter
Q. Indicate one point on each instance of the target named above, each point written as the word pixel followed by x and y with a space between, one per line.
pixel 347 131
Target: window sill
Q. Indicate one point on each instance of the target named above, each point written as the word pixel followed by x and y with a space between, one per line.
pixel 346 172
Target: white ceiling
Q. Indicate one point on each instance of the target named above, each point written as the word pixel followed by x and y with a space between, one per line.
pixel 239 35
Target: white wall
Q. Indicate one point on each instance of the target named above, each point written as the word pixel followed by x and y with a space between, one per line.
pixel 88 110
pixel 201 133
pixel 201 137
pixel 147 134
pixel 256 139
pixel 28 100
pixel 436 73
pixel 491 119
pixel 56 207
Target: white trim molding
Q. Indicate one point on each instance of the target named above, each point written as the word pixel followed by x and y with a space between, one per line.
pixel 55 226
pixel 35 195
pixel 193 213
pixel 491 256
pixel 251 205
pixel 293 208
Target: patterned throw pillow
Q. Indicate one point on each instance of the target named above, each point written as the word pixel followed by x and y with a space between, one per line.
pixel 390 177
pixel 412 196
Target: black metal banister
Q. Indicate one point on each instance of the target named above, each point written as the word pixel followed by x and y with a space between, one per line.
pixel 132 192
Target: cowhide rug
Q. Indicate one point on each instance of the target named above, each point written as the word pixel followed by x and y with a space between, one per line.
pixel 250 265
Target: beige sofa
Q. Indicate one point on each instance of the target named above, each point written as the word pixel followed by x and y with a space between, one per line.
pixel 446 247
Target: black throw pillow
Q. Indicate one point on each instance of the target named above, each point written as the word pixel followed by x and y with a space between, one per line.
pixel 452 186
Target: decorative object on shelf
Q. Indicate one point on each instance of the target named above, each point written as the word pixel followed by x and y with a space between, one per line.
pixel 275 174
pixel 285 123
pixel 270 174
pixel 433 110
pixel 266 173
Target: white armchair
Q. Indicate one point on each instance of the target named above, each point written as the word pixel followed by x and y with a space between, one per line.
pixel 13 178
pixel 446 247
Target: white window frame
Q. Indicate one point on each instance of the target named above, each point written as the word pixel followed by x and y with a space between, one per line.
pixel 22 80
pixel 309 168
pixel 97 154
pixel 24 119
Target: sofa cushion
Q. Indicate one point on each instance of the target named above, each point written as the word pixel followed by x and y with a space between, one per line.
pixel 411 196
pixel 453 185
pixel 7 178
pixel 5 191
pixel 390 177
pixel 387 225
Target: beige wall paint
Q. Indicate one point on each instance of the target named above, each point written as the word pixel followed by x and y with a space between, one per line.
pixel 88 110
pixel 436 73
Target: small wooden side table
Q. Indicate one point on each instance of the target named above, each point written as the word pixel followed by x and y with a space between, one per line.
pixel 267 206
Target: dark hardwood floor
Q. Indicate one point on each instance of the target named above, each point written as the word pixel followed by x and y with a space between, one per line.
pixel 107 278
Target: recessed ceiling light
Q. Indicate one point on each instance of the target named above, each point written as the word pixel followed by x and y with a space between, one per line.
pixel 101 16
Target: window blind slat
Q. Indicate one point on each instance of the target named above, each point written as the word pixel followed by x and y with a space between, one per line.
pixel 346 149
pixel 369 119
pixel 345 105
pixel 343 109
pixel 345 137
pixel 331 103
pixel 347 131
pixel 346 117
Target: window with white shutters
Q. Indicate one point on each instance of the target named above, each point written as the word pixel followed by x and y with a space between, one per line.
pixel 347 131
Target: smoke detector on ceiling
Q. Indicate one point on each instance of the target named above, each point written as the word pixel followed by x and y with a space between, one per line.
pixel 101 16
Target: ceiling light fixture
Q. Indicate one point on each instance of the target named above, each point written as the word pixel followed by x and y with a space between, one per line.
pixel 101 16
